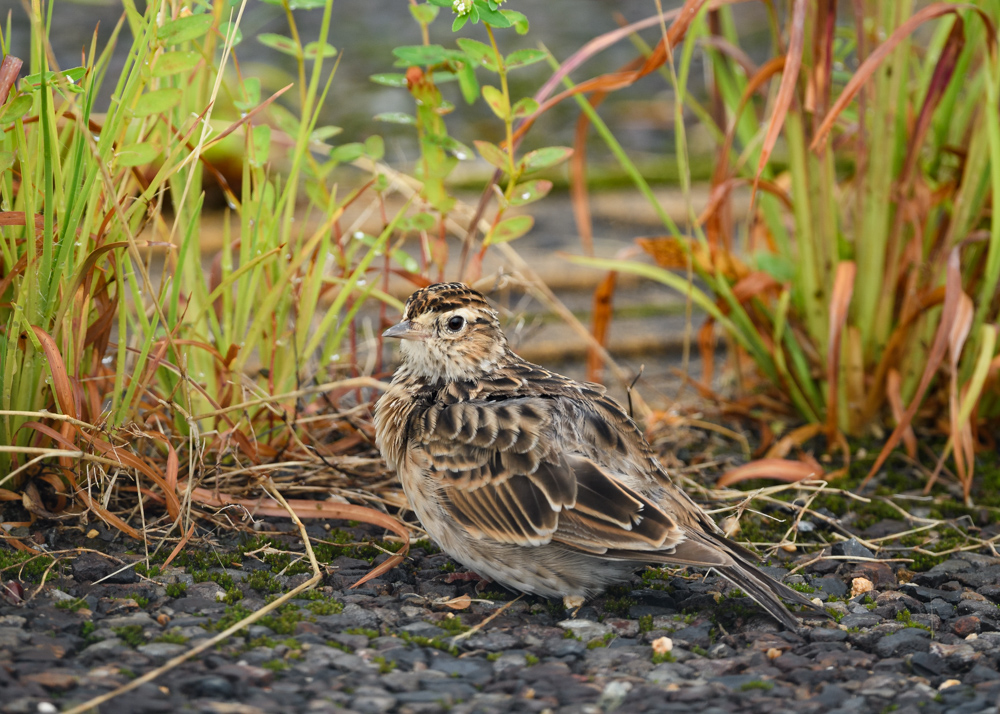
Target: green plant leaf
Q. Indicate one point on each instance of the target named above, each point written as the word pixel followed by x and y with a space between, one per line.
pixel 441 3
pixel 480 54
pixel 298 4
pixel 185 29
pixel 174 63
pixel 424 14
pixel 453 146
pixel 286 120
pixel 544 158
pixel 497 101
pixel 779 267
pixel 374 147
pixel 396 118
pixel 6 160
pixel 285 45
pixel 419 222
pixel 261 141
pixel 227 28
pixel 518 20
pixel 251 94
pixel 389 79
pixel 524 108
pixel 459 22
pixel 322 133
pixel 312 49
pixel 490 17
pixel 15 109
pixel 529 192
pixel 71 77
pixel 410 55
pixel 509 229
pixel 468 83
pixel 348 152
pixel 400 257
pixel 493 154
pixel 157 101
pixel 522 58
pixel 137 154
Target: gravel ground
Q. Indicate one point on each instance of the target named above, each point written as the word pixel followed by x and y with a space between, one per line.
pixel 931 644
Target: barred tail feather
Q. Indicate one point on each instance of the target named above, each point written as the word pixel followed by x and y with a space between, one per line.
pixel 768 592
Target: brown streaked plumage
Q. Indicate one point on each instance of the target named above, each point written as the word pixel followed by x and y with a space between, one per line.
pixel 532 479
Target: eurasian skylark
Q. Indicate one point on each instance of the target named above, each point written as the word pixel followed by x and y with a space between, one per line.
pixel 532 479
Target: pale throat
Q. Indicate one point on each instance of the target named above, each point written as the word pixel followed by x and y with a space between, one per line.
pixel 449 362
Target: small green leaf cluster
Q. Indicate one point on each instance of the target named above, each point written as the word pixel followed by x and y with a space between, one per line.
pixel 485 11
pixel 130 635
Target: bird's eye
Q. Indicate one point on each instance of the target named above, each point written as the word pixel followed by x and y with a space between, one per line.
pixel 456 323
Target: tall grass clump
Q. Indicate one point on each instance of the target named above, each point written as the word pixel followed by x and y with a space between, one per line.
pixel 117 345
pixel 128 360
pixel 863 282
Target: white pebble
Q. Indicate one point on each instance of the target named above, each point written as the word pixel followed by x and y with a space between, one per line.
pixel 662 645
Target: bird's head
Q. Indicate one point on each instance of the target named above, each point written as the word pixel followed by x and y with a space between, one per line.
pixel 449 333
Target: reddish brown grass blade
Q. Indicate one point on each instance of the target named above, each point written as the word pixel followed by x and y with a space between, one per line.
pixel 180 546
pixel 786 91
pixel 949 311
pixel 794 438
pixel 961 435
pixel 944 69
pixel 755 284
pixel 610 82
pixel 603 297
pixel 16 218
pixel 783 470
pixel 868 67
pixel 840 301
pixel 250 449
pixel 894 394
pixel 107 516
pixel 890 356
pixel 669 251
pixel 18 545
pixel 61 384
pixel 733 52
pixel 826 23
pixel 173 464
pixel 51 433
pixel 9 69
pixel 127 458
pixel 578 183
pixel 247 117
pixel 316 509
pixel 721 191
pixel 756 81
pixel 706 347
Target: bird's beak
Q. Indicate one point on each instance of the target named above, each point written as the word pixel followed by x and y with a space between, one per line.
pixel 406 330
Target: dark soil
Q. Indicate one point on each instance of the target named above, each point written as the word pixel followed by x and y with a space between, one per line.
pixel 931 644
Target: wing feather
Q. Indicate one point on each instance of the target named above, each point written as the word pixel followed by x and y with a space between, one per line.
pixel 510 470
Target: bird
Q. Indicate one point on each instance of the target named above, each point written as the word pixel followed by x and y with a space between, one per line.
pixel 531 479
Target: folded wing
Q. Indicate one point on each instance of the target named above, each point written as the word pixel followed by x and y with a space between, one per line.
pixel 509 471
